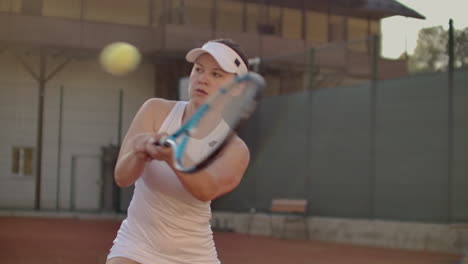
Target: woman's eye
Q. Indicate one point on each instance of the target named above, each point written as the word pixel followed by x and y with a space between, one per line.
pixel 217 75
pixel 198 69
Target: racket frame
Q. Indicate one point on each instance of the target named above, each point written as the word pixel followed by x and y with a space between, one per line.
pixel 184 130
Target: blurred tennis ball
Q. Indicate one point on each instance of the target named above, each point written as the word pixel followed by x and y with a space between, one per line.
pixel 119 58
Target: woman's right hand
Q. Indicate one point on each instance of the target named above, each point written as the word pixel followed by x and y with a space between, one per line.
pixel 145 148
pixel 140 143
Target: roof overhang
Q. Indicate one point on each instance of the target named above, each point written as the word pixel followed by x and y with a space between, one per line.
pixel 374 9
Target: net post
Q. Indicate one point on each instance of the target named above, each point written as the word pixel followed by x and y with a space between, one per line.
pixel 450 116
pixel 309 107
pixel 373 122
pixel 120 117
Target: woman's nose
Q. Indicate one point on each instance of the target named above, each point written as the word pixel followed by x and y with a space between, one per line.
pixel 203 78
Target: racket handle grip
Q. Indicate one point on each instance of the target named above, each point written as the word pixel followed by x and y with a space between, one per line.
pixel 163 142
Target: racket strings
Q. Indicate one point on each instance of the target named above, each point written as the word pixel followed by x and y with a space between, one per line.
pixel 219 122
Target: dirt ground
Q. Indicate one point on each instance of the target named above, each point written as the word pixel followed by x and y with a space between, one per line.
pixel 72 241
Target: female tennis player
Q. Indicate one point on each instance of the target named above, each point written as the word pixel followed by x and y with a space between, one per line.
pixel 168 217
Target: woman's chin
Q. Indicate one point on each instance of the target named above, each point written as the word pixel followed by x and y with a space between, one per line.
pixel 199 97
pixel 197 100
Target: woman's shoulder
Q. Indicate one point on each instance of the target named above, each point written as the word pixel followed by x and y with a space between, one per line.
pixel 160 103
pixel 158 106
pixel 157 109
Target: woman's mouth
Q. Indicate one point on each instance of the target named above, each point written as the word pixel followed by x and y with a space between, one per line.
pixel 201 92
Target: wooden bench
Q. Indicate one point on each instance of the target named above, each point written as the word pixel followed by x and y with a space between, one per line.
pixel 292 209
pixel 289 206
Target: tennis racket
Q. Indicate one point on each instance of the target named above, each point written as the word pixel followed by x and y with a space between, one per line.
pixel 197 141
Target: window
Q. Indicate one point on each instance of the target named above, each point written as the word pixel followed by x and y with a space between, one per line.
pixel 229 17
pixel 22 161
pixel 13 6
pixel 336 29
pixel 317 30
pixel 32 7
pixel 292 23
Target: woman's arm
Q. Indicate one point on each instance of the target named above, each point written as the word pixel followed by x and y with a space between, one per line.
pixel 133 154
pixel 138 147
pixel 220 177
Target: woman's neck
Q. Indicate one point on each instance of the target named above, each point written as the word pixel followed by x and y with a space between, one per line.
pixel 190 109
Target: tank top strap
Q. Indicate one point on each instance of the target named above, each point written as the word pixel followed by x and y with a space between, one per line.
pixel 174 118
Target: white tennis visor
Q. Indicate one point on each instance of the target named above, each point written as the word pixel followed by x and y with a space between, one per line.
pixel 226 57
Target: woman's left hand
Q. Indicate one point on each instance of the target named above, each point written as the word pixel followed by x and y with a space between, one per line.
pixel 158 152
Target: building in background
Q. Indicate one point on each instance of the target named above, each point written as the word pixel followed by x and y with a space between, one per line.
pixel 57 101
pixel 165 29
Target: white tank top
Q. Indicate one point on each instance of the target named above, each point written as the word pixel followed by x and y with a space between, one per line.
pixel 165 224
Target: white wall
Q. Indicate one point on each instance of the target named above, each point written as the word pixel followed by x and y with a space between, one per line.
pixel 90 120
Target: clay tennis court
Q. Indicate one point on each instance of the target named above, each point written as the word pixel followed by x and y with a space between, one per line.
pixel 72 241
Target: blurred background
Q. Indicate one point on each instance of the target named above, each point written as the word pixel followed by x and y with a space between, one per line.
pixel 364 116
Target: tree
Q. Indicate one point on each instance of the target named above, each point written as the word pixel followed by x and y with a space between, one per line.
pixel 461 48
pixel 431 52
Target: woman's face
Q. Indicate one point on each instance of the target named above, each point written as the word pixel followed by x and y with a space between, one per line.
pixel 206 78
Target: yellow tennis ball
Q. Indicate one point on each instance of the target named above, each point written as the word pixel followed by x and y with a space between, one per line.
pixel 119 58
